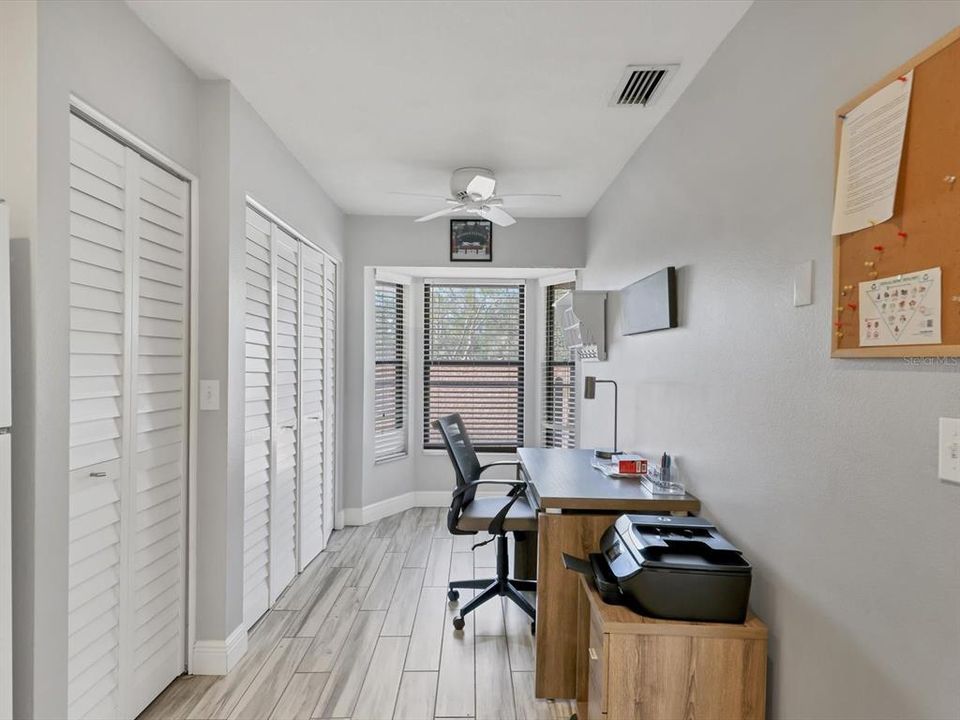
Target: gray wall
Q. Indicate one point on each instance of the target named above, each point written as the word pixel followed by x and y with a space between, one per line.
pixel 386 242
pixel 214 465
pixel 18 187
pixel 823 471
pixel 241 157
pixel 102 53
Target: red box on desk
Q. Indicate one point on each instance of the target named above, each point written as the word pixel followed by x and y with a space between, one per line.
pixel 632 464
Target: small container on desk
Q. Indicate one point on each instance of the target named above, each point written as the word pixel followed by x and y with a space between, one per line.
pixel 659 482
pixel 634 666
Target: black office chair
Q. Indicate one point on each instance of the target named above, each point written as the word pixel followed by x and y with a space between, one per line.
pixel 469 515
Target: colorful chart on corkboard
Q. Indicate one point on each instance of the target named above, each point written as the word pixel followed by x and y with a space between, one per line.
pixel 916 252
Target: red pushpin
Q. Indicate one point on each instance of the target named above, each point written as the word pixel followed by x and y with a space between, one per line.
pixel 878 248
pixel 852 306
pixel 901 234
pixel 838 324
pixel 902 78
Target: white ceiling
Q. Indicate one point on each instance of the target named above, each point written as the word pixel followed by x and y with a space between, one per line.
pixel 374 97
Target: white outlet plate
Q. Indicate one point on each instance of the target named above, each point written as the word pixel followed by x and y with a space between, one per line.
pixel 950 449
pixel 209 394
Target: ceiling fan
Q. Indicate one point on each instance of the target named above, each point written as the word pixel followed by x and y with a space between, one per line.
pixel 473 191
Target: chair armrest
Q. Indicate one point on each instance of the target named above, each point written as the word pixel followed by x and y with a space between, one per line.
pixel 501 463
pixel 515 485
pixel 517 488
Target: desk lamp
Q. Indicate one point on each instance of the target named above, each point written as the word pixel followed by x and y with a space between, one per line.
pixel 589 393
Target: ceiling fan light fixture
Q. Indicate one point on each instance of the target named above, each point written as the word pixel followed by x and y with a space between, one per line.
pixel 473 191
pixel 474 183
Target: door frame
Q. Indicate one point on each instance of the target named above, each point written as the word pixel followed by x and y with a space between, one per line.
pixel 87 112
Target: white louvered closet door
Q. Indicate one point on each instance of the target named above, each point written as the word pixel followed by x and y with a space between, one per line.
pixel 332 402
pixel 128 426
pixel 99 316
pixel 283 495
pixel 161 291
pixel 259 417
pixel 290 356
pixel 311 505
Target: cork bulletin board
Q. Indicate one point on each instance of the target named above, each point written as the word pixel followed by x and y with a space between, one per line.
pixel 924 231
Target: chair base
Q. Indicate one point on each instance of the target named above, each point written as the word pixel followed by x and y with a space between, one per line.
pixel 501 586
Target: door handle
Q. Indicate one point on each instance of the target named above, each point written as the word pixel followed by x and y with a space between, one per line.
pixel 98 474
pixel 288 427
pixel 313 417
pixel 593 654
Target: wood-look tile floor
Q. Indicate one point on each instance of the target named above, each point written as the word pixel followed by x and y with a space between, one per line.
pixel 365 632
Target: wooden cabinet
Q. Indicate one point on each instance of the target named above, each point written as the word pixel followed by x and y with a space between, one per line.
pixel 635 667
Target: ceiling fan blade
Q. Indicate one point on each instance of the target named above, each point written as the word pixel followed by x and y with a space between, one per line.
pixel 545 196
pixel 481 186
pixel 421 195
pixel 452 210
pixel 497 216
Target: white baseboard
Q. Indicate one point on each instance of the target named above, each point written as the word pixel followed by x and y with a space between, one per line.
pixel 218 657
pixel 398 503
pixel 375 511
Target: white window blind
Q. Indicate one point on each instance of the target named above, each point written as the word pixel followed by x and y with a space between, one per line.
pixel 473 358
pixel 390 403
pixel 559 419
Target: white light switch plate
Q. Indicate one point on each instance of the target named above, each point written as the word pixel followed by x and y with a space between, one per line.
pixel 950 449
pixel 803 284
pixel 209 394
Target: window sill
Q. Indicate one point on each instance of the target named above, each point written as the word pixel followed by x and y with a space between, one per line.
pixel 391 458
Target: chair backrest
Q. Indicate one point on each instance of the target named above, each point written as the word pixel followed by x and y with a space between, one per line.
pixel 464 459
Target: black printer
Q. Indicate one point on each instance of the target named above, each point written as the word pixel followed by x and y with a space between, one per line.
pixel 679 568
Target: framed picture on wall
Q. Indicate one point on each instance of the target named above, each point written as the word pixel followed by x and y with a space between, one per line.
pixel 471 241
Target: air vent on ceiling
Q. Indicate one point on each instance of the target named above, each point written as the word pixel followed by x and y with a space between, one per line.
pixel 642 84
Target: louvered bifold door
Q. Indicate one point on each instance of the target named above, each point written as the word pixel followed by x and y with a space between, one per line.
pixel 283 495
pixel 98 331
pixel 258 438
pixel 311 498
pixel 330 334
pixel 128 426
pixel 159 433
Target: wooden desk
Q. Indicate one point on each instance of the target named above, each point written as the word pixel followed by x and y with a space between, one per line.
pixel 575 503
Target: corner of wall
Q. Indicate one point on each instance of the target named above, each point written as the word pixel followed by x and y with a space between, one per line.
pixel 18 186
pixel 212 595
pixel 218 657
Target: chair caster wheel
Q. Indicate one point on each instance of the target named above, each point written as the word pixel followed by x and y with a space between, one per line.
pixel 533 627
pixel 453 595
pixel 458 623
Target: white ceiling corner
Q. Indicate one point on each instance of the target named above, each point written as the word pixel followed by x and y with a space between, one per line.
pixel 374 97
